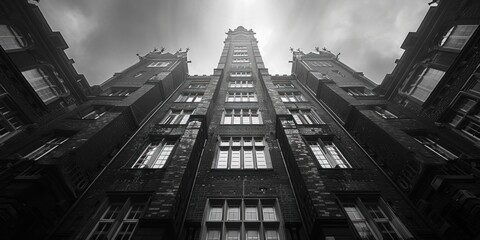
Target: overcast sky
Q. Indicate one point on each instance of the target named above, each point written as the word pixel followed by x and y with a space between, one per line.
pixel 104 36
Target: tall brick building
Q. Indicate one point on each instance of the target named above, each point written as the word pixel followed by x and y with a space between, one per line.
pixel 323 153
pixel 241 154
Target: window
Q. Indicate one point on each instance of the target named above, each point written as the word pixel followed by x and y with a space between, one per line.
pixel 242 153
pixel 10 118
pixel 155 154
pixel 240 74
pixel 240 50
pixel 241 116
pixel 240 54
pixel 338 73
pixel 158 64
pixel 421 85
pixel 292 97
pixel 465 112
pixel 240 47
pixel 373 219
pixel 384 113
pixel 305 117
pixel 433 145
pixel 94 114
pixel 458 36
pixel 51 144
pixel 358 91
pixel 321 64
pixel 45 83
pixel 240 84
pixel 246 219
pixel 189 97
pixel 241 97
pixel 119 220
pixel 328 155
pixel 197 85
pixel 118 92
pixel 241 60
pixel 283 85
pixel 11 39
pixel 177 117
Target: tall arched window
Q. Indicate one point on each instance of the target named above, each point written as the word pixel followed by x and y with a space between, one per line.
pixel 11 39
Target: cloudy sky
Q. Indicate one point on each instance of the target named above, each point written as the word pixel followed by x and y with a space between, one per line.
pixel 104 36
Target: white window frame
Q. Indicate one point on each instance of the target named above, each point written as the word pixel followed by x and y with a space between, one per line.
pixel 44 83
pixel 240 74
pixel 241 60
pixel 321 64
pixel 11 39
pixel 292 97
pixel 241 116
pixel 177 116
pixel 241 97
pixel 240 84
pixel 46 148
pixel 328 155
pixel 247 153
pixel 360 213
pixel 384 113
pixel 453 40
pixel 159 64
pixel 359 92
pixel 305 117
pixel 435 147
pixel 189 97
pixel 422 85
pixel 155 155
pixel 11 121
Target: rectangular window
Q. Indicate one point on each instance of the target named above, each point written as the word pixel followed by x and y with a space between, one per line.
pixel 240 84
pixel 465 115
pixel 249 225
pixel 240 74
pixel 421 85
pixel 118 92
pixel 155 154
pixel 94 113
pixel 321 64
pixel 10 118
pixel 51 144
pixel 197 85
pixel 119 220
pixel 359 91
pixel 241 97
pixel 375 220
pixel 158 64
pixel 241 116
pixel 44 84
pixel 241 60
pixel 189 97
pixel 431 144
pixel 240 54
pixel 382 112
pixel 292 97
pixel 283 85
pixel 458 36
pixel 11 39
pixel 177 117
pixel 305 117
pixel 328 155
pixel 241 153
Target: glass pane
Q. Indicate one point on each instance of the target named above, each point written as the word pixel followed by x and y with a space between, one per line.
pixel 251 213
pixel 215 214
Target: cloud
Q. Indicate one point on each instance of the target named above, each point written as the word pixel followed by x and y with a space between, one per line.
pixel 104 36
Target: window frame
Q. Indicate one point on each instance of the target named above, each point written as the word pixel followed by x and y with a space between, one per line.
pixel 158 64
pixel 23 42
pixel 325 158
pixel 413 84
pixel 10 116
pixel 305 116
pixel 50 143
pixel 195 97
pixel 434 146
pixel 126 204
pixel 360 203
pixel 384 113
pixel 294 96
pixel 153 152
pixel 46 83
pixel 233 114
pixel 233 96
pixel 449 35
pixel 246 229
pixel 242 153
pixel 177 117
